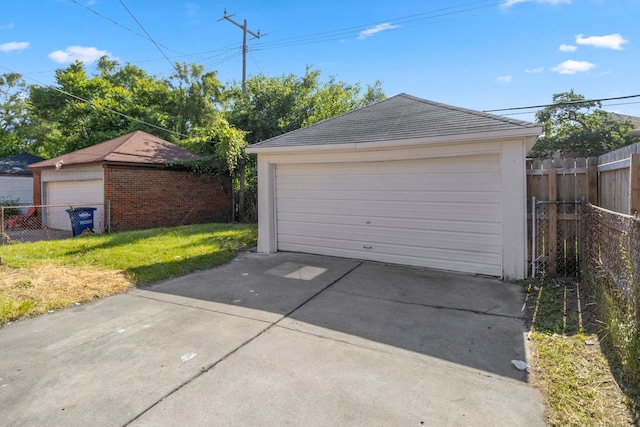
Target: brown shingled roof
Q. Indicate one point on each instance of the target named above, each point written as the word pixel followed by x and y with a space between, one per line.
pixel 133 148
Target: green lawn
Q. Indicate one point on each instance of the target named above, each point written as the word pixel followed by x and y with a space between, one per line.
pixel 146 255
pixel 41 277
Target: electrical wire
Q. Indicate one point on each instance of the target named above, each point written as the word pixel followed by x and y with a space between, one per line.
pixel 102 107
pixel 150 38
pixel 95 12
pixel 582 101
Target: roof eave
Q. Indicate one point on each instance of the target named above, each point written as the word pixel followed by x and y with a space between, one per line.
pixel 530 134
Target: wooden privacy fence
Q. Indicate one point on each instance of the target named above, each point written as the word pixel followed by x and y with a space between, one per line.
pixel 619 180
pixel 556 192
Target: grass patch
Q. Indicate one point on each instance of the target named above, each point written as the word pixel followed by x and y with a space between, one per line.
pixel 568 363
pixel 45 276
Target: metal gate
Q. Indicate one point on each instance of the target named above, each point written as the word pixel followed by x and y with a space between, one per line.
pixel 556 238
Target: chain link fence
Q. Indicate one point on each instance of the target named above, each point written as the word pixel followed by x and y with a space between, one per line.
pixel 612 275
pixel 557 238
pixel 613 248
pixel 48 222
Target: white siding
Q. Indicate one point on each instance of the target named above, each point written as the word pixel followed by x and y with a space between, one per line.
pixel 17 187
pixel 442 213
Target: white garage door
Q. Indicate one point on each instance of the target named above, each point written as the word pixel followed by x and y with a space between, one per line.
pixel 89 193
pixel 438 213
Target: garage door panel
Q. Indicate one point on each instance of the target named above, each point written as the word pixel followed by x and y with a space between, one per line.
pixel 439 213
pixel 449 165
pixel 477 182
pixel 315 219
pixel 468 262
pixel 83 193
pixel 373 209
pixel 371 236
pixel 397 195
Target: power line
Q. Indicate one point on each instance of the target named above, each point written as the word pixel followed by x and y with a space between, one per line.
pixel 582 101
pixel 95 12
pixel 150 38
pixel 343 32
pixel 101 106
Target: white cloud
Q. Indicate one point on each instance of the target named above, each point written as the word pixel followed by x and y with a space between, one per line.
pixel 504 79
pixel 510 3
pixel 534 70
pixel 573 67
pixel 375 30
pixel 193 10
pixel 77 53
pixel 7 47
pixel 612 41
pixel 567 48
pixel 9 26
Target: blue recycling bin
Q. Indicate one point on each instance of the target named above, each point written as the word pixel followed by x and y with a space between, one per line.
pixel 81 220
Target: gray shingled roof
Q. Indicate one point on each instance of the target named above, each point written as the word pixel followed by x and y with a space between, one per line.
pixel 133 148
pixel 17 164
pixel 399 117
pixel 633 119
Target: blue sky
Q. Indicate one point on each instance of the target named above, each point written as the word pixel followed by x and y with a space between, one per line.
pixel 476 54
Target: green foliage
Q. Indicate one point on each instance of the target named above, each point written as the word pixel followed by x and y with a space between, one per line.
pixel 276 105
pixel 146 255
pixel 10 211
pixel 576 127
pixel 12 309
pixel 14 119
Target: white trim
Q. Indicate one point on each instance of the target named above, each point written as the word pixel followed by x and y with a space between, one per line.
pixel 528 133
pixel 512 182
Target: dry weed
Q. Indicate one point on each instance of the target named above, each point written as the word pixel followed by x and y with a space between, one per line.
pixel 28 292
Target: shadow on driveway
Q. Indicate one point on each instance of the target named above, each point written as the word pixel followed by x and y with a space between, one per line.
pixel 468 320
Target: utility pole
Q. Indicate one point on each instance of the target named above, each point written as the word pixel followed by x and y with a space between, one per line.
pixel 241 167
pixel 245 30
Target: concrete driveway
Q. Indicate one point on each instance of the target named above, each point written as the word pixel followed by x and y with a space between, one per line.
pixel 281 339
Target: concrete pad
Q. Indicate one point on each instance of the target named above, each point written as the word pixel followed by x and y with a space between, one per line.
pixel 283 339
pixel 472 321
pixel 105 362
pixel 435 288
pixel 257 286
pixel 287 378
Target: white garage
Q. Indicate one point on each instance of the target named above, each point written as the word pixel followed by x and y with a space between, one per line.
pixel 87 193
pixel 405 181
pixel 82 187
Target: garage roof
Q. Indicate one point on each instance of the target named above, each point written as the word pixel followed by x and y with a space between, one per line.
pixel 400 117
pixel 133 148
pixel 17 164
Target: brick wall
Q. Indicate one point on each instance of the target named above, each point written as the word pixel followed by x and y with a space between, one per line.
pixel 37 188
pixel 144 198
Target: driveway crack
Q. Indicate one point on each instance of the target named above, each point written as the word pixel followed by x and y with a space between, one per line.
pixel 209 367
pixel 435 306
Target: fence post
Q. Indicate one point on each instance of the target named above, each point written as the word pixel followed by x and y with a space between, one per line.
pixel 553 222
pixel 634 185
pixel 592 180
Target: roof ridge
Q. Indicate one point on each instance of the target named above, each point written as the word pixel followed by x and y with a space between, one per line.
pixel 471 111
pixel 311 126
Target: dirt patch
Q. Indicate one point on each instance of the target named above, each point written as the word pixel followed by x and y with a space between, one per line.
pixel 26 292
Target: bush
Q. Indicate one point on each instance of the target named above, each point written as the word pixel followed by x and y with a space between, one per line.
pixel 10 210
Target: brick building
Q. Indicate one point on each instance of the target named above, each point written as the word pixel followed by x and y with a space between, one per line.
pixel 130 179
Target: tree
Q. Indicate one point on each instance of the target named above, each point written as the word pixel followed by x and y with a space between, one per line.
pixel 14 119
pixel 276 105
pixel 578 127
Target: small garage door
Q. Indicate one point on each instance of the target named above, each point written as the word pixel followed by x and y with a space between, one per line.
pixel 440 213
pixel 75 194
